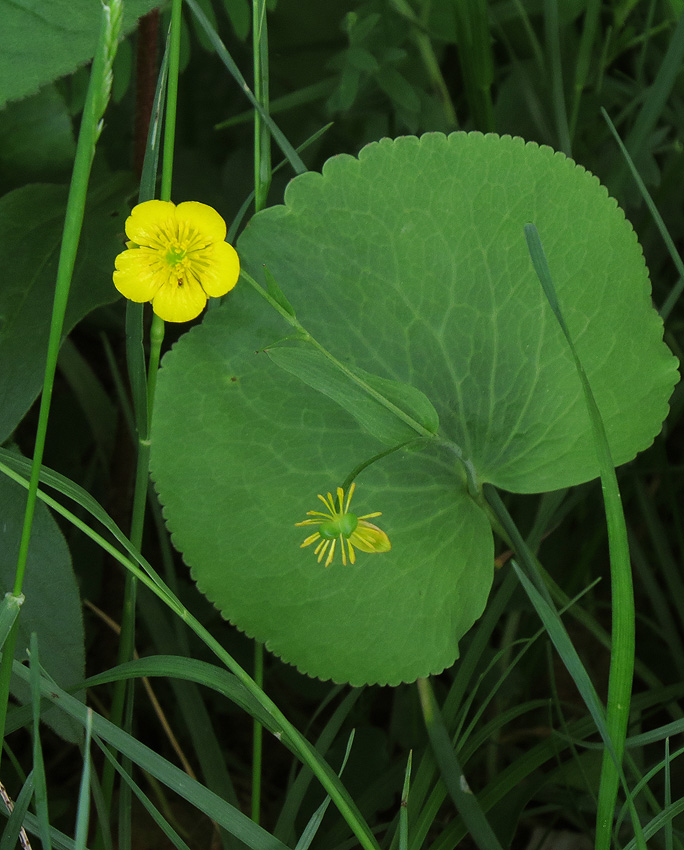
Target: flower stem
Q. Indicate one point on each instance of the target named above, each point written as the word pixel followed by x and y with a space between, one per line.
pixel 99 89
pixel 122 701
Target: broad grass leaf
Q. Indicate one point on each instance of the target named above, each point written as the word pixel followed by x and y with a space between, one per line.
pixel 409 263
pixel 38 48
pixel 36 139
pixel 31 221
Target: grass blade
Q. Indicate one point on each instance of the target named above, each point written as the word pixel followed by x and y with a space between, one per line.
pixel 13 828
pixel 623 640
pixel 452 774
pixel 38 765
pixel 83 811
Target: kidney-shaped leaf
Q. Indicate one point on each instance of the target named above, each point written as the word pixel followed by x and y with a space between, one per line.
pixel 409 264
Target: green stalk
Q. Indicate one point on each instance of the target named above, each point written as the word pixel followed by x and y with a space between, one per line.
pixel 262 136
pixel 97 97
pixel 171 101
pixel 262 182
pixel 622 639
pixel 430 61
pixel 450 769
pixel 122 701
pixel 292 320
pixel 257 736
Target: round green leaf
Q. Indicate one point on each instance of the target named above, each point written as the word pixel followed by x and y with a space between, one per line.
pixel 240 451
pixel 410 265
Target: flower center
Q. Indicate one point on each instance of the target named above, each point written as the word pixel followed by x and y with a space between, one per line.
pixel 175 254
pixel 344 524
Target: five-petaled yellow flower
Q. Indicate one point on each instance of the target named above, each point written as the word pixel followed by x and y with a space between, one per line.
pixel 176 258
pixel 349 529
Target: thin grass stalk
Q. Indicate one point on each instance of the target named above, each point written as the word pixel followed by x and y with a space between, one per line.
pixel 257 737
pixel 419 32
pixel 476 60
pixel 552 34
pixel 291 155
pixel 38 771
pixel 83 810
pixel 122 706
pixel 151 809
pixel 14 830
pixel 669 835
pixel 653 102
pixel 97 98
pixel 135 362
pixel 452 773
pixel 584 55
pixel 657 218
pixel 262 182
pixel 403 811
pixel 622 591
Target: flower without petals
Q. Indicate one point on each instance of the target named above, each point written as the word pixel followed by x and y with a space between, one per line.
pixel 176 258
pixel 339 524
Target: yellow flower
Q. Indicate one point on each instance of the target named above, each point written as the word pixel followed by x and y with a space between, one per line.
pixel 339 524
pixel 176 258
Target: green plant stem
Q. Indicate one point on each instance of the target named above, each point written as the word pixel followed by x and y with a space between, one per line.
pixel 257 736
pixel 262 182
pixel 296 324
pixel 471 477
pixel 123 693
pixel 622 591
pixel 430 61
pixel 452 773
pixel 97 97
pixel 262 136
pixel 171 101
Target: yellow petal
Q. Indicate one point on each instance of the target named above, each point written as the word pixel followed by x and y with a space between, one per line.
pixel 139 274
pixel 309 540
pixel 203 220
pixel 152 223
pixel 220 269
pixel 329 559
pixel 179 302
pixel 369 538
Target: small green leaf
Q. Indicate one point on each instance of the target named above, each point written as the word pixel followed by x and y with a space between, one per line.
pixel 31 221
pixel 398 88
pixel 36 139
pixel 9 611
pixel 240 17
pixel 277 293
pixel 318 372
pixel 361 59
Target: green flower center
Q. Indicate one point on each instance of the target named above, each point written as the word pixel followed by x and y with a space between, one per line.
pixel 345 524
pixel 175 254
